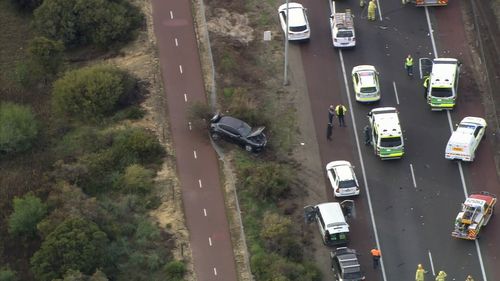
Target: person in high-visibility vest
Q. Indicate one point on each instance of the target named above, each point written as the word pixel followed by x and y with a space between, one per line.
pixel 426 86
pixel 420 273
pixel 376 257
pixel 409 65
pixel 371 10
pixel 341 110
pixel 441 276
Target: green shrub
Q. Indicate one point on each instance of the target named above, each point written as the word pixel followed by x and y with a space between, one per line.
pixel 136 146
pixel 6 274
pixel 81 22
pixel 46 56
pixel 76 244
pixel 175 270
pixel 136 180
pixel 28 212
pixel 91 93
pixel 18 128
pixel 26 5
pixel 267 181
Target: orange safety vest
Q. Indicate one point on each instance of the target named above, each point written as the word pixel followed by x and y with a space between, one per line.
pixel 375 252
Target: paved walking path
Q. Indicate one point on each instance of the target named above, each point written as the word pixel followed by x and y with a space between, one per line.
pixel 197 163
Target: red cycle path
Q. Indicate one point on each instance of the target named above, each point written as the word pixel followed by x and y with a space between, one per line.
pixel 197 164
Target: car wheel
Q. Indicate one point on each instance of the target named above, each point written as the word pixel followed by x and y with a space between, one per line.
pixel 248 148
pixel 215 136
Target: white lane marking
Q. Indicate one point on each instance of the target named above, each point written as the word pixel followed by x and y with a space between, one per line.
pixel 431 32
pixel 171 15
pixel 189 124
pixel 205 212
pixel 413 176
pixel 195 156
pixel 199 183
pixel 185 97
pixel 365 181
pixel 395 91
pixel 180 68
pixel 432 264
pixel 460 169
pixel 176 42
pixel 215 271
pixel 209 241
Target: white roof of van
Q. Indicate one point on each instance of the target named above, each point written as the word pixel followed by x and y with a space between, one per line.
pixel 443 72
pixel 333 217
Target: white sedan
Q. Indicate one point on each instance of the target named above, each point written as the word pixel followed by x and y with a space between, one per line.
pixel 298 25
pixel 365 83
pixel 342 178
pixel 464 141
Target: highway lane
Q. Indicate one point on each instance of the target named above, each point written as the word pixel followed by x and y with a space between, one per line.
pixel 411 221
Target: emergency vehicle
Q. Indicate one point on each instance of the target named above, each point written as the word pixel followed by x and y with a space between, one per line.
pixel 342 28
pixel 386 135
pixel 476 213
pixel 422 3
pixel 443 83
pixel 465 139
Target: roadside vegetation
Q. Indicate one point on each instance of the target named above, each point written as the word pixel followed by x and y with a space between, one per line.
pixel 77 170
pixel 268 187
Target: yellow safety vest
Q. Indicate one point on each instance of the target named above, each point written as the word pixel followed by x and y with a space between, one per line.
pixel 409 61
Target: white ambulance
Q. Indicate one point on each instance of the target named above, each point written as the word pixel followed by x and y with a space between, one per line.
pixel 386 134
pixel 465 139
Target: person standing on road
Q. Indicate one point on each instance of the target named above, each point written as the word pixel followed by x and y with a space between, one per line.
pixel 372 6
pixel 340 110
pixel 409 65
pixel 331 114
pixel 441 276
pixel 420 274
pixel 376 257
pixel 329 131
pixel 469 278
pixel 426 86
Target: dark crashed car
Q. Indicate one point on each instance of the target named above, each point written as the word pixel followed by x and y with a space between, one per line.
pixel 345 265
pixel 237 131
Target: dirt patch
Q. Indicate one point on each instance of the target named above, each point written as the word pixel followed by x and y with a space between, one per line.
pixel 232 25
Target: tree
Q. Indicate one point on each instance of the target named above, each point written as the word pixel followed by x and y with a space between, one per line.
pixel 136 180
pixel 27 5
pixel 175 270
pixel 267 181
pixel 28 212
pixel 82 22
pixel 46 56
pixel 76 244
pixel 18 128
pixel 6 274
pixel 90 93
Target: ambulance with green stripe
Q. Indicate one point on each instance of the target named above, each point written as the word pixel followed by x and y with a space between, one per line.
pixel 386 135
pixel 443 83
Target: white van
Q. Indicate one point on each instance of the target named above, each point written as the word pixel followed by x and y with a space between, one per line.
pixel 332 225
pixel 465 139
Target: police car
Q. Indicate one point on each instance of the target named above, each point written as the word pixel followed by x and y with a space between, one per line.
pixel 365 83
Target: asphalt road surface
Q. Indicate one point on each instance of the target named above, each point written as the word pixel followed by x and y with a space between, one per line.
pixel 415 200
pixel 197 164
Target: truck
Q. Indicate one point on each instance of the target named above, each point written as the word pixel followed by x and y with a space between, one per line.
pixel 443 83
pixel 476 212
pixel 342 28
pixel 385 132
pixel 464 141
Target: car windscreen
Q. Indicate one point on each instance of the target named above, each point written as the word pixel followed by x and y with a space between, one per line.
pixel 368 90
pixel 441 92
pixel 299 28
pixel 353 273
pixel 390 142
pixel 347 184
pixel 344 34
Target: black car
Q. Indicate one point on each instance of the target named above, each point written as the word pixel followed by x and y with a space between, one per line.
pixel 345 265
pixel 237 131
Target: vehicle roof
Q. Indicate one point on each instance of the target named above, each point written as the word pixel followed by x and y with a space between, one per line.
pixel 367 78
pixel 348 261
pixel 231 121
pixel 464 133
pixel 344 20
pixel 333 217
pixel 343 169
pixel 364 67
pixel 443 72
pixel 387 121
pixel 297 14
pixel 486 198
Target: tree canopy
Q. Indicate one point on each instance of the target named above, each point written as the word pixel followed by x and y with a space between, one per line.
pixel 76 244
pixel 28 212
pixel 18 128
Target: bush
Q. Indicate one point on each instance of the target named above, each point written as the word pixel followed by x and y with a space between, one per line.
pixel 81 22
pixel 136 146
pixel 27 5
pixel 91 93
pixel 6 274
pixel 267 181
pixel 28 212
pixel 175 270
pixel 18 128
pixel 46 56
pixel 136 180
pixel 76 244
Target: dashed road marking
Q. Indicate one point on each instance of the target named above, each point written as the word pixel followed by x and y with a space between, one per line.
pixel 195 156
pixel 205 212
pixel 185 98
pixel 395 91
pixel 176 42
pixel 413 176
pixel 171 15
pixel 209 241
pixel 199 183
pixel 180 68
pixel 189 124
pixel 432 264
pixel 215 271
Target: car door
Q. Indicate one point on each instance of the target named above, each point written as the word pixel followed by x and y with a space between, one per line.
pixel 478 135
pixel 355 82
pixel 283 20
pixel 425 67
pixel 230 133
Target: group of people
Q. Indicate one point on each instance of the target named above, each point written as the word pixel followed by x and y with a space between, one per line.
pixel 339 110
